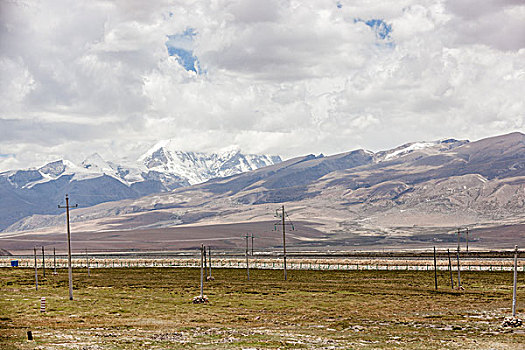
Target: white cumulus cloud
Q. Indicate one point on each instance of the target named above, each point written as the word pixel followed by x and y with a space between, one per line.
pixel 281 76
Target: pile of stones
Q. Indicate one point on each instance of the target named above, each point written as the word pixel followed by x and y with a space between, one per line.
pixel 201 299
pixel 512 322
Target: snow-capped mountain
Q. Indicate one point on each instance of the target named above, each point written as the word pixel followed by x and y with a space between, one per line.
pixel 197 167
pixel 417 193
pixel 162 168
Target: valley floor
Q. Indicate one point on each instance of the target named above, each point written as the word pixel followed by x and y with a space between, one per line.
pixel 151 309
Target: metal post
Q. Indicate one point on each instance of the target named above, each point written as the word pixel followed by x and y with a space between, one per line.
pixel 43 262
pixel 69 267
pixel 450 269
pixel 459 271
pixel 284 246
pixel 69 263
pixel 435 269
pixel 54 262
pixel 205 261
pixel 202 271
pixel 36 271
pixel 515 281
pixel 209 258
pixel 247 263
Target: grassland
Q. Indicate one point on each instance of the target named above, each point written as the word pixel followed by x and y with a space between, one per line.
pixel 150 308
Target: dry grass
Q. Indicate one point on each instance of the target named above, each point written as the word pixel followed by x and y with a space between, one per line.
pixel 150 308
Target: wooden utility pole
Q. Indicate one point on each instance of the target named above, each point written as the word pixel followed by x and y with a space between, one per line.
pixel 43 262
pixel 247 262
pixel 515 281
pixel 69 266
pixel 450 269
pixel 202 271
pixel 252 243
pixel 435 269
pixel 36 271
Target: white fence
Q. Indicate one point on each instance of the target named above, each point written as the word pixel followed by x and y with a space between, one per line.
pixel 258 264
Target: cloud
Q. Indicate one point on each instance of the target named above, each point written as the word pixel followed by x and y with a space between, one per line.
pixel 497 23
pixel 278 76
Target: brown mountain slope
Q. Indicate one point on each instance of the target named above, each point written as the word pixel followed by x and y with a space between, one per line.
pixel 405 197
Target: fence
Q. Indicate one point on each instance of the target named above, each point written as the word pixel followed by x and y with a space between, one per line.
pixel 391 265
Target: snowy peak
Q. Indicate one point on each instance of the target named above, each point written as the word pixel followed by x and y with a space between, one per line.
pixel 426 147
pixel 199 167
pixel 53 169
pixel 163 164
pixel 97 164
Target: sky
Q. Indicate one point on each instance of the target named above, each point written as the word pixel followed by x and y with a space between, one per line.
pixel 275 76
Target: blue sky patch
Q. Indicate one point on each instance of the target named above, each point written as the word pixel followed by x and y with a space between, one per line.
pixel 181 47
pixel 381 29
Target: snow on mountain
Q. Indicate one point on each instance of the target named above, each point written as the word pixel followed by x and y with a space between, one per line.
pixel 95 163
pixel 410 148
pixel 427 147
pixel 197 167
pixel 162 163
pixel 163 168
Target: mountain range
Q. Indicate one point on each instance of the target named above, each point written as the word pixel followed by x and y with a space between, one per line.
pixel 408 196
pixel 162 168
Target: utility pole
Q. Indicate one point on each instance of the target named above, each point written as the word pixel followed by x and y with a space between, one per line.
pixel 202 272
pixel 69 267
pixel 283 223
pixel 247 262
pixel 205 260
pixel 209 257
pixel 515 281
pixel 435 269
pixel 54 262
pixel 466 230
pixel 43 262
pixel 284 245
pixel 36 271
pixel 459 272
pixel 252 243
pixel 450 269
pixel 284 242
